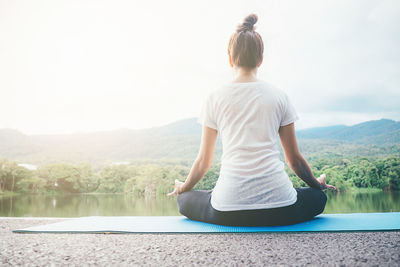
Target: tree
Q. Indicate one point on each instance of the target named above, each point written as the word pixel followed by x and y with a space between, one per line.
pixel 11 174
pixel 113 178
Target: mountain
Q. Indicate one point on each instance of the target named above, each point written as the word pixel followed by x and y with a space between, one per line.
pixel 181 140
pixel 382 131
pixel 178 128
pixel 177 140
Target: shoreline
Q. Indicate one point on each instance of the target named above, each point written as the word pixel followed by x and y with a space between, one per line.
pixel 344 248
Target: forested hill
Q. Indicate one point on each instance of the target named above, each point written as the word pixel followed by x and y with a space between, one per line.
pixel 382 131
pixel 181 139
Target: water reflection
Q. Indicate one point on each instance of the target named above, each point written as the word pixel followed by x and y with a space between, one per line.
pixel 130 205
pixel 363 202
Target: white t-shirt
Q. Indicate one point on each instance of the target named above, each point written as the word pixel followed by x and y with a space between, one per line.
pixel 247 117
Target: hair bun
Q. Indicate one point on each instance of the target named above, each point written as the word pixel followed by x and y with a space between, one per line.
pixel 248 23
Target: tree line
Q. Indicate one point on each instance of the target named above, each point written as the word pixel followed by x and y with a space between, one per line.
pixel 157 177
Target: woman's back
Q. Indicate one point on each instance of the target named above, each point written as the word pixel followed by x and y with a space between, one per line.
pixel 247 117
pixel 253 187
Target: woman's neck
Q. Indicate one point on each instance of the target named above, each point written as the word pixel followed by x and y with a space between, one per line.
pixel 242 75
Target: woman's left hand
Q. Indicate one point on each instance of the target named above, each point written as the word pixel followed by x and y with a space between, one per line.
pixel 177 188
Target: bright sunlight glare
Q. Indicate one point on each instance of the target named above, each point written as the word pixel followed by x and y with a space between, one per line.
pixel 82 65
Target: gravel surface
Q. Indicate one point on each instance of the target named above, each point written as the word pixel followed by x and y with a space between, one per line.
pixel 254 249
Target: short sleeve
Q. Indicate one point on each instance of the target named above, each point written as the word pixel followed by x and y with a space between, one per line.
pixel 289 113
pixel 207 112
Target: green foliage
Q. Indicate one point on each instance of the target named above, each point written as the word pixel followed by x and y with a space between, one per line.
pixel 150 177
pixel 32 184
pixel 210 179
pixel 390 171
pixel 383 174
pixel 147 179
pixel 11 174
pixel 62 177
pixel 113 178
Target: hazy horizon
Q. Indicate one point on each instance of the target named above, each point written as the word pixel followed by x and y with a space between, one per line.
pixel 87 66
pixel 145 128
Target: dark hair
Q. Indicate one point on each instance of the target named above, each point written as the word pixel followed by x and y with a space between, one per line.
pixel 246 46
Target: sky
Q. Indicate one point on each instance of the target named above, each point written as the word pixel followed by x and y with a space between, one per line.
pixel 83 66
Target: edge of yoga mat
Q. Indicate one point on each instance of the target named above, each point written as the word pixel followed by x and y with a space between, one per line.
pixel 347 222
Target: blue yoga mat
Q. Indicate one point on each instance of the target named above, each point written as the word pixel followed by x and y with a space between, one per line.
pixel 178 224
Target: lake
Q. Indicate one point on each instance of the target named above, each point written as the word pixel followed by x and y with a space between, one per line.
pixel 78 205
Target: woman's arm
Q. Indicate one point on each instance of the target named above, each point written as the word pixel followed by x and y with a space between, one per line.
pixel 202 163
pixel 296 161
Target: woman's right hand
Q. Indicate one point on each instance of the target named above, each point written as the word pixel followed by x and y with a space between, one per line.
pixel 177 188
pixel 322 181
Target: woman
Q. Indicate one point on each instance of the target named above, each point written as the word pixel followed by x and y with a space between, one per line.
pixel 253 188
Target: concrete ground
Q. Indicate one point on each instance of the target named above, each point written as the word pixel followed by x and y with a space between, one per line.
pixel 327 249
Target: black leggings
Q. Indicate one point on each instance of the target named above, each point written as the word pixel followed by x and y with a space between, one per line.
pixel 195 205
